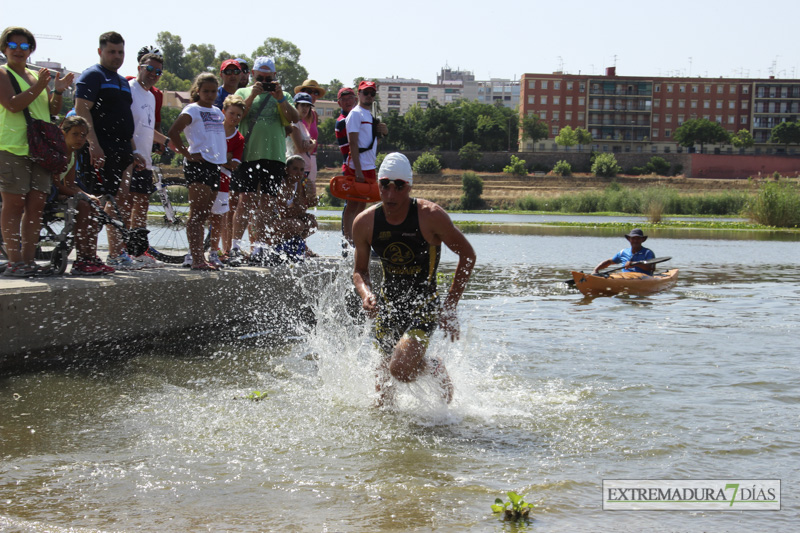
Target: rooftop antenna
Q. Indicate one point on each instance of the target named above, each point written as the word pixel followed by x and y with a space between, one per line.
pixel 690 66
pixel 560 64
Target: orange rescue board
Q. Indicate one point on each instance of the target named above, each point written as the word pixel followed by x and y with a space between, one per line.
pixel 624 282
pixel 347 188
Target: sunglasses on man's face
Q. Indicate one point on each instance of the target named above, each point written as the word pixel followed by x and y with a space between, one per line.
pixel 21 46
pixel 313 92
pixel 264 78
pixel 399 185
pixel 151 69
pixel 368 92
pixel 231 71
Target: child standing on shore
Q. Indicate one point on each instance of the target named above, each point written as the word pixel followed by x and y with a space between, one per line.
pixel 203 125
pixel 86 263
pixel 233 108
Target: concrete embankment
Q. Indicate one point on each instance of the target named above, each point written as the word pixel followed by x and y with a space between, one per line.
pixel 55 318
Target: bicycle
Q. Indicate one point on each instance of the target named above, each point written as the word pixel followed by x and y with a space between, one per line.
pixel 167 239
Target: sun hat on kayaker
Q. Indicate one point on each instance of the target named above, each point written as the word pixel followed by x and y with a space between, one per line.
pixel 636 232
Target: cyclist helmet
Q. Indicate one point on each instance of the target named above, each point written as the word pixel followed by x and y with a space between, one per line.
pixel 147 50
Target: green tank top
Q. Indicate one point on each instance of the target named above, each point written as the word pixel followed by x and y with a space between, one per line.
pixel 409 262
pixel 13 128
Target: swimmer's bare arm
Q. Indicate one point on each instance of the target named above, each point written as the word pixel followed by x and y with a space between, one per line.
pixel 435 220
pixel 362 235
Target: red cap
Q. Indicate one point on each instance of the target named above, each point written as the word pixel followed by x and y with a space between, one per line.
pixel 230 63
pixel 367 85
pixel 345 90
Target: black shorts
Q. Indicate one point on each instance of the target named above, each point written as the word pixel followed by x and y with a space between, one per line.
pixel 415 320
pixel 202 172
pixel 108 179
pixel 142 181
pixel 262 175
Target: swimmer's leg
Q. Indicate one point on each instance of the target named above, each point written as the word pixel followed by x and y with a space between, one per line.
pixel 408 362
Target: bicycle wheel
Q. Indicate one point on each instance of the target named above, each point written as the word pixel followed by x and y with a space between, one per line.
pixel 167 223
pixel 59 257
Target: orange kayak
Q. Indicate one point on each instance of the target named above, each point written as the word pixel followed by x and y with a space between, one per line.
pixel 624 282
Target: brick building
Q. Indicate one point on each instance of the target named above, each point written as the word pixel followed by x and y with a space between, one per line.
pixel 641 114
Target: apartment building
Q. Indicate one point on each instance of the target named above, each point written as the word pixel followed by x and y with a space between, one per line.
pixel 632 113
pixel 400 94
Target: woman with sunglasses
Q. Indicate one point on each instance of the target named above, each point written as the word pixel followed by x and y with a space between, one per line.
pixel 24 185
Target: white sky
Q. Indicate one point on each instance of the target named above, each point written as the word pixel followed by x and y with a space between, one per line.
pixel 414 39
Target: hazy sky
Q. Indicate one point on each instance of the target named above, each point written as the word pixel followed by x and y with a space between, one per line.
pixel 414 39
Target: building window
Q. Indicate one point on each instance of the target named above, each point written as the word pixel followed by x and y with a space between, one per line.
pixel 719 104
pixel 718 118
pixel 556 100
pixel 544 84
pixel 569 100
pixel 707 117
pixel 656 118
pixel 707 89
pixel 695 88
pixel 743 119
pixel 657 103
pixel 568 116
pixel 581 101
pixel 667 133
pixel 655 133
pixel 745 89
pixel 693 116
pixel 682 88
pixel 668 118
pixel 531 100
pixel 556 115
pixel 532 84
pixel 557 85
pixel 581 117
pixel 681 119
pixel 732 89
pixel 555 130
pixel 543 115
pixel 731 119
pixel 706 104
pixel 694 104
pixel 569 85
pixel 682 103
pixel 745 104
pixel 669 88
pixel 731 105
pixel 582 87
pixel 658 88
pixel 669 104
pixel 543 100
pixel 720 89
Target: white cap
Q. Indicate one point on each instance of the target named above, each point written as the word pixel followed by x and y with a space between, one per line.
pixel 395 166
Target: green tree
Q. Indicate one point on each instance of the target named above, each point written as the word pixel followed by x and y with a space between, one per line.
pixel 583 136
pixel 427 163
pixel 786 133
pixel 491 133
pixel 287 61
pixel 470 154
pixel 200 58
pixel 742 139
pixel 566 137
pixel 332 89
pixel 171 82
pixel 606 165
pixel 700 131
pixel 533 128
pixel 173 50
pixel 472 187
pixel 516 167
pixel 327 135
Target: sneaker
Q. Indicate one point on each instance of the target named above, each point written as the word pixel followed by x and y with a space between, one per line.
pixel 148 261
pixel 213 259
pixel 19 270
pixel 187 261
pixel 104 267
pixel 257 257
pixel 235 258
pixel 123 262
pixel 86 268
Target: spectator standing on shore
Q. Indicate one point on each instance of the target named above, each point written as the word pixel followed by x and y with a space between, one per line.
pixel 362 133
pixel 103 98
pixel 24 185
pixel 203 125
pixel 244 77
pixel 231 72
pixel 303 140
pixel 137 195
pixel 347 101
pixel 260 176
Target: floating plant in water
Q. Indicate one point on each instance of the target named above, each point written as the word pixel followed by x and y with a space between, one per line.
pixel 519 508
pixel 256 396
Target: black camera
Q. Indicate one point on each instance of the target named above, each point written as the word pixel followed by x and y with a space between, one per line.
pixel 268 86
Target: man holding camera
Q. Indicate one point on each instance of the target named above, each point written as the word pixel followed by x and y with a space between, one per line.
pixel 362 134
pixel 258 179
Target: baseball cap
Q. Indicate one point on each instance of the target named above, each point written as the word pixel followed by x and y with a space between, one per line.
pixel 230 63
pixel 303 98
pixel 345 90
pixel 264 64
pixel 243 64
pixel 367 85
pixel 396 166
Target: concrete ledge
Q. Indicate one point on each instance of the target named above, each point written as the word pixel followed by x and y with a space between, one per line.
pixel 50 315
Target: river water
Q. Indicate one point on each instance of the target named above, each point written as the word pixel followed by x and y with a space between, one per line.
pixel 553 394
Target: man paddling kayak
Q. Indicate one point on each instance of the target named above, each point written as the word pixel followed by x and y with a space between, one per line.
pixel 407 234
pixel 634 254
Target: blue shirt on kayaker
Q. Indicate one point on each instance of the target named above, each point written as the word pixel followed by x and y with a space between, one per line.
pixel 636 253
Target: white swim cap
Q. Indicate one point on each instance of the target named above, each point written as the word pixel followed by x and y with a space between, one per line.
pixel 395 166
